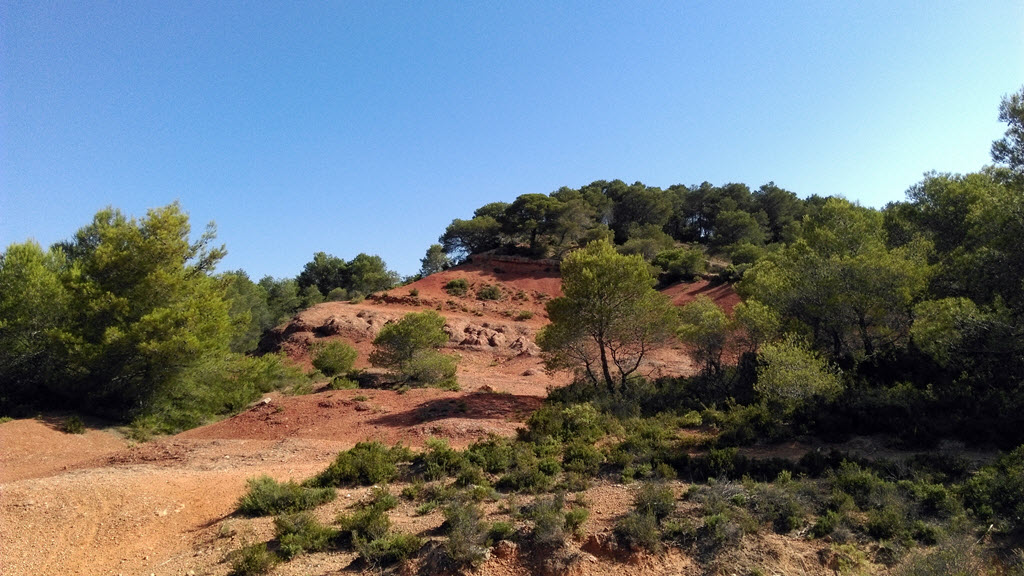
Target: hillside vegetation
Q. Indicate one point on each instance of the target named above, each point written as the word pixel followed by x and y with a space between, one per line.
pixel 904 324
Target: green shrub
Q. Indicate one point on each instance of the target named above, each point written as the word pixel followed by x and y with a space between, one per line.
pixel 549 527
pixel 253 559
pixel 388 549
pixel 826 524
pixel 501 531
pixel 495 455
pixel 582 458
pixel 526 472
pixel 334 357
pixel 265 497
pixel 439 460
pixel 640 530
pixel 777 505
pixel 414 292
pixel 408 349
pixel 457 287
pixel 471 475
pixel 367 523
pixel 574 520
pixel 467 534
pixel 996 492
pixel 365 464
pixel 433 368
pixel 302 532
pixel 654 499
pixel 343 383
pixel 489 292
pixel 74 425
pixel 337 295
pixel 524 315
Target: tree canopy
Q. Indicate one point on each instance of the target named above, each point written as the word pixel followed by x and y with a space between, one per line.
pixel 609 318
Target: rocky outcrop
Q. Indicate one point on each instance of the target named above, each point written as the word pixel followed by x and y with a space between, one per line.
pixel 361 325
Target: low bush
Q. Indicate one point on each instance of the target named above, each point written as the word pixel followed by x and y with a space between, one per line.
pixel 639 530
pixel 581 458
pixel 495 455
pixel 549 526
pixel 333 358
pixel 252 560
pixel 457 287
pixel 388 549
pixel 439 460
pixel 501 531
pixel 654 499
pixel 433 368
pixel 524 315
pixel 365 464
pixel 74 425
pixel 343 383
pixel 300 533
pixel 489 292
pixel 266 496
pixel 996 492
pixel 467 534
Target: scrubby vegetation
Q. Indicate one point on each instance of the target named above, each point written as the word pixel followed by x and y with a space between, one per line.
pixel 905 325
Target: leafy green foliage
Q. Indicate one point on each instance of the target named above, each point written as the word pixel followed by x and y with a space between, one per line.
pixel 790 375
pixel 252 560
pixel 680 264
pixel 489 292
pixel 434 261
pixel 266 496
pixel 608 319
pixel 365 464
pixel 467 534
pixel 301 533
pixel 457 287
pixel 126 320
pixel 705 327
pixel 408 348
pixel 335 357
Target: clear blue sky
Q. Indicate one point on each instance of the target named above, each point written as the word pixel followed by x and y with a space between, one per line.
pixel 367 126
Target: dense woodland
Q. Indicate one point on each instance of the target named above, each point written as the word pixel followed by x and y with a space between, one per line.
pixel 906 321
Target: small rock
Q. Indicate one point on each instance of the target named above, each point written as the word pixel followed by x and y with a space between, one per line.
pixel 505 549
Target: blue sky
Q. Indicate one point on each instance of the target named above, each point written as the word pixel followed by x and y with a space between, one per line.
pixel 354 127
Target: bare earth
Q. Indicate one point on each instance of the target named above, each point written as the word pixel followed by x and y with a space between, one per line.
pixel 99 504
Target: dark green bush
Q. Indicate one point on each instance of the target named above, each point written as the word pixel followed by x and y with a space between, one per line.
pixel 343 383
pixel 333 358
pixel 457 287
pixel 501 531
pixel 495 455
pixel 365 464
pixel 489 292
pixel 574 520
pixel 302 532
pixel 74 425
pixel 997 491
pixel 582 458
pixel 777 505
pixel 252 560
pixel 266 496
pixel 388 549
pixel 438 460
pixel 433 368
